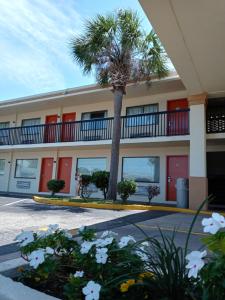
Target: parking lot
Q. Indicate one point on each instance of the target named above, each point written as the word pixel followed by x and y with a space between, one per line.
pixel 18 214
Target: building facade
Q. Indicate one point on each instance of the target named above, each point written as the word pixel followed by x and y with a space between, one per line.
pixel 165 135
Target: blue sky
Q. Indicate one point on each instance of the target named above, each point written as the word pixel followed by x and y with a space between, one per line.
pixel 34 38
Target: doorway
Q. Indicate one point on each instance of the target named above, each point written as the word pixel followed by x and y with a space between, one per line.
pixel 177 167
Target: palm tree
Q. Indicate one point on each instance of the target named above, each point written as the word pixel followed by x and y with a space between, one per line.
pixel 116 48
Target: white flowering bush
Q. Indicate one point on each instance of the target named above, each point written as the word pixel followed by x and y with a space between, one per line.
pixel 89 267
pixel 208 267
pixel 107 266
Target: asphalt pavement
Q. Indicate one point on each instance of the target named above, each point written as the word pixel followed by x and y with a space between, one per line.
pixel 24 214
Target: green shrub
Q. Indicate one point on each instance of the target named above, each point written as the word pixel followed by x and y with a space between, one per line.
pixel 126 188
pixel 101 180
pixel 85 180
pixel 55 186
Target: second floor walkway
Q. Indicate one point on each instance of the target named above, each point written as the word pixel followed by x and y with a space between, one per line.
pixel 151 125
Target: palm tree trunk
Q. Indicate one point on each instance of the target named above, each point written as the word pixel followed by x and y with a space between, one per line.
pixel 115 149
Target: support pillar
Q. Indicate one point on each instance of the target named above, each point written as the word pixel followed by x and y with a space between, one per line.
pixel 198 183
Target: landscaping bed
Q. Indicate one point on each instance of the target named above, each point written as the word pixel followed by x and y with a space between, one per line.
pixel 110 267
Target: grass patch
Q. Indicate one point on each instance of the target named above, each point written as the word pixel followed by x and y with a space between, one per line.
pixel 94 200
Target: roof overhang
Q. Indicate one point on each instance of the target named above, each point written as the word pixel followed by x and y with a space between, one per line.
pixel 193 35
pixel 88 95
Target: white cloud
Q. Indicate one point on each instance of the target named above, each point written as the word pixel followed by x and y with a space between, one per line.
pixel 34 36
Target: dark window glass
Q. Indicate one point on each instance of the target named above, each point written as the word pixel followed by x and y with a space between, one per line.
pixel 144 118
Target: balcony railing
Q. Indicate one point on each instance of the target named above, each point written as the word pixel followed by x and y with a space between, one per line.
pixel 167 123
pixel 215 120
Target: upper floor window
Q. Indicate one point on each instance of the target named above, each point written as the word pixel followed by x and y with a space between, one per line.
pixel 141 115
pixel 4 132
pixel 26 168
pixel 4 125
pixel 97 117
pixel 31 122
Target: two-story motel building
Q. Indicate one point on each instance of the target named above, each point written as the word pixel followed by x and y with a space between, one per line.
pixel 58 134
pixel 174 128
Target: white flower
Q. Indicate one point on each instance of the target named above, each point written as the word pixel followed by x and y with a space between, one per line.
pixel 25 238
pixel 91 290
pixel 125 240
pixel 79 274
pixel 195 263
pixel 49 250
pixel 43 233
pixel 36 258
pixel 53 227
pixel 101 255
pixel 104 242
pixel 85 247
pixel 141 253
pixel 108 233
pixel 145 244
pixel 213 224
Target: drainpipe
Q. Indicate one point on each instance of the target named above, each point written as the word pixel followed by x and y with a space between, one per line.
pixel 10 162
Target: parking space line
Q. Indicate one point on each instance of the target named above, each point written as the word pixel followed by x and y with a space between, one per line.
pixel 11 203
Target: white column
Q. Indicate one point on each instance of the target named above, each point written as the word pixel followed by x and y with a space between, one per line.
pixel 198 187
pixel 197 140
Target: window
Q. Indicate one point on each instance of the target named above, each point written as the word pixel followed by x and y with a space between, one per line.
pixel 4 132
pixel 26 168
pixel 29 130
pixel 142 119
pixel 141 169
pixel 31 122
pixel 88 166
pixel 4 125
pixel 2 166
pixel 96 115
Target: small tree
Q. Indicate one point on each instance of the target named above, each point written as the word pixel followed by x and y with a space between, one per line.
pixel 84 182
pixel 101 180
pixel 126 188
pixel 153 191
pixel 55 186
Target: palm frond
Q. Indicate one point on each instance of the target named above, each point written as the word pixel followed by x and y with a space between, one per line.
pixel 115 47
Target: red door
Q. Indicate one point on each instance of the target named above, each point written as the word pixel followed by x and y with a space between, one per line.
pixel 177 167
pixel 68 129
pixel 51 129
pixel 177 122
pixel 64 172
pixel 46 173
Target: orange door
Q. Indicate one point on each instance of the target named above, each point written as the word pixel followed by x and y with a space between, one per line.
pixel 64 172
pixel 177 122
pixel 177 167
pixel 46 173
pixel 51 129
pixel 68 129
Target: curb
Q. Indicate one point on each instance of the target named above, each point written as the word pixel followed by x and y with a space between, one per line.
pixel 44 200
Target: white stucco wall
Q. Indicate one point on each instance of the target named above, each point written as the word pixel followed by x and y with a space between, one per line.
pixel 126 151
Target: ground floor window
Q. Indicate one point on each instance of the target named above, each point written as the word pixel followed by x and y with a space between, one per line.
pixel 141 169
pixel 88 166
pixel 26 168
pixel 2 166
